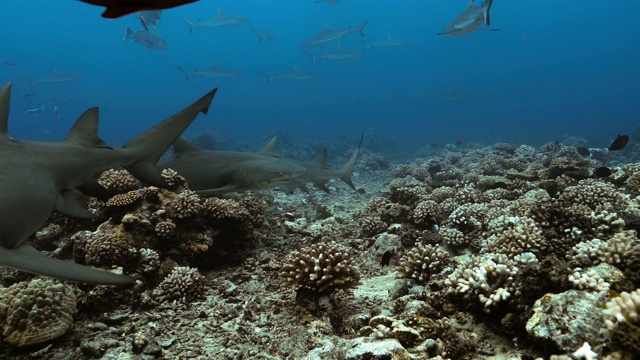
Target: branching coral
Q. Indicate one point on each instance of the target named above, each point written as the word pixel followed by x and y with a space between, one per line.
pixel 184 284
pixel 421 262
pixel 321 268
pixel 118 181
pixel 623 320
pixel 36 311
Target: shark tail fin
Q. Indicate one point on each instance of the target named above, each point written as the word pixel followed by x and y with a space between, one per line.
pixel 127 33
pixel 257 34
pixel 186 75
pixel 311 56
pixel 269 78
pixel 347 169
pixel 27 258
pixel 150 145
pixel 487 9
pixel 361 27
pixel 189 22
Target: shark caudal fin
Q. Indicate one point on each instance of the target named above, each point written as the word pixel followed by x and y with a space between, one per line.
pixel 361 27
pixel 189 22
pixel 269 78
pixel 27 258
pixel 186 75
pixel 150 145
pixel 347 169
pixel 487 8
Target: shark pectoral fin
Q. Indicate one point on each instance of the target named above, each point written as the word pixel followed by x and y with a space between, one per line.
pixel 27 258
pixel 322 186
pixel 68 204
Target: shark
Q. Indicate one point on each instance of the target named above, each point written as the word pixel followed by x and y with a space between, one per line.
pixel 117 8
pixel 221 20
pixel 210 172
pixel 339 54
pixel 294 74
pixel 327 35
pixel 58 77
pixel 388 42
pixel 149 18
pixel 318 172
pixel 216 71
pixel 38 178
pixel 470 19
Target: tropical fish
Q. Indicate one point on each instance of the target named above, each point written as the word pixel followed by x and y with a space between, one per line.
pixel 215 71
pixel 470 19
pixel 149 17
pixel 339 54
pixel 210 172
pixel 45 177
pixel 150 40
pixel 34 110
pixel 117 8
pixel 30 93
pixel 583 151
pixel 619 143
pixel 602 172
pixel 58 77
pixel 221 20
pixel 327 35
pixel 294 75
pixel 265 35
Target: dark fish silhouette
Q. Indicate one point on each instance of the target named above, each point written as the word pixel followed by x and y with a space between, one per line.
pixel 118 8
pixel 584 151
pixel 602 172
pixel 386 258
pixel 619 143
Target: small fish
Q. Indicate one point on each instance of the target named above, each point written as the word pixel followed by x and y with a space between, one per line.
pixel 433 221
pixel 8 62
pixel 386 258
pixel 584 151
pixel 619 143
pixel 34 110
pixel 602 172
pixel 30 93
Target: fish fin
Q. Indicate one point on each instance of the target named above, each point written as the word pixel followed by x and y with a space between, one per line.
pixel 311 56
pixel 68 204
pixel 189 22
pixel 26 258
pixel 84 131
pixel 271 149
pixel 257 34
pixel 487 4
pixel 321 159
pixel 182 146
pixel 127 34
pixel 149 146
pixel 269 78
pixel 144 24
pixel 186 75
pixel 361 27
pixel 5 100
pixel 347 169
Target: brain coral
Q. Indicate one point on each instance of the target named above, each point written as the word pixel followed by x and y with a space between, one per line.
pixel 321 268
pixel 36 311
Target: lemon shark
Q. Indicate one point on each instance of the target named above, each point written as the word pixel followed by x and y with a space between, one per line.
pixel 210 172
pixel 38 178
pixel 470 19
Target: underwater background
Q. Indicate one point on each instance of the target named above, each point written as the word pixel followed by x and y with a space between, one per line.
pixel 555 69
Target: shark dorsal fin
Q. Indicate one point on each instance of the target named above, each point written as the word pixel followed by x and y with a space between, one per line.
pixel 271 149
pixel 321 158
pixel 84 131
pixel 181 146
pixel 5 100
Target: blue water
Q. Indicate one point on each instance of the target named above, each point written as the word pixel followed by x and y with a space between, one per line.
pixel 555 68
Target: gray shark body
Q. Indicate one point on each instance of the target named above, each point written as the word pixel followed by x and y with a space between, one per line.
pixel 265 35
pixel 470 19
pixel 221 20
pixel 294 75
pixel 58 77
pixel 339 54
pixel 216 71
pixel 318 172
pixel 38 178
pixel 218 172
pixel 327 35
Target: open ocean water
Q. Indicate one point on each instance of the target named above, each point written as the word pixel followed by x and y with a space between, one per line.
pixel 554 69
